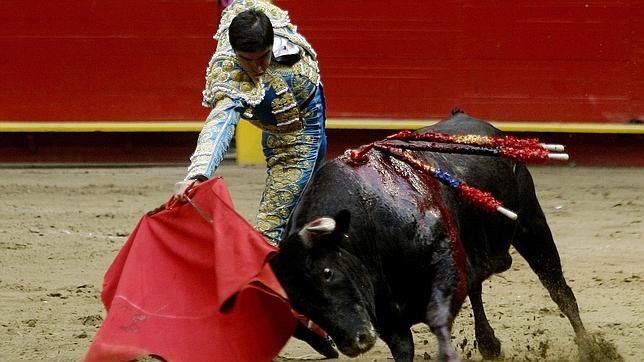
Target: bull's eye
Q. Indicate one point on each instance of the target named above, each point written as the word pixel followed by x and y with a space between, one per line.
pixel 327 273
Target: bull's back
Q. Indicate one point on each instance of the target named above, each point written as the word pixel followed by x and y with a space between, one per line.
pixel 399 206
pixel 378 190
pixel 492 174
pixel 461 123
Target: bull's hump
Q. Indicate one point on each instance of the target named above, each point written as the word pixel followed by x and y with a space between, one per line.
pixel 396 182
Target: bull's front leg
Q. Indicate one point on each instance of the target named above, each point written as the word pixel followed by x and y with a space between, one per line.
pixel 400 342
pixel 447 294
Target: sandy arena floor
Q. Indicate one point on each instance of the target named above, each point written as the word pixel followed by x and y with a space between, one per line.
pixel 60 228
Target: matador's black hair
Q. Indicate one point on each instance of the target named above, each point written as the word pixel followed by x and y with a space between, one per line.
pixel 250 31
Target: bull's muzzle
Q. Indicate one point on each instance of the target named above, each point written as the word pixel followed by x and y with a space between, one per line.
pixel 361 342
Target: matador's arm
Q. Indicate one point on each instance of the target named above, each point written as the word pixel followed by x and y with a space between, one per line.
pixel 215 137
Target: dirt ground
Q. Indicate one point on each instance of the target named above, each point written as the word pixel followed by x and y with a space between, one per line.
pixel 60 228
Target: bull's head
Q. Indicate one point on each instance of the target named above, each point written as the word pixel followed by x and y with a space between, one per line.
pixel 327 283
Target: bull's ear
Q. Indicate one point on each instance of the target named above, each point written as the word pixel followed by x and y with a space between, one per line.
pixel 312 232
pixel 342 220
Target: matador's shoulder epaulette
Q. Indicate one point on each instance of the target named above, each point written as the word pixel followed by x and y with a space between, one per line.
pixel 225 77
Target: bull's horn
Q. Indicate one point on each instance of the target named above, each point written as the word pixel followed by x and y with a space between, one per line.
pixel 315 229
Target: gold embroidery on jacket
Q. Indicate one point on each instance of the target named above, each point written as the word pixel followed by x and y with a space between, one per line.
pixel 225 77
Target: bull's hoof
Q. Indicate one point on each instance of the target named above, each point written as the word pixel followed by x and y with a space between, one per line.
pixel 320 344
pixel 594 348
pixel 490 349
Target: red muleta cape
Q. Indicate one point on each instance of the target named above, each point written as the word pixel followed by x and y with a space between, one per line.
pixel 185 289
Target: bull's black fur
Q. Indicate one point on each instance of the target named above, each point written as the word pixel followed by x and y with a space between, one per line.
pixel 396 267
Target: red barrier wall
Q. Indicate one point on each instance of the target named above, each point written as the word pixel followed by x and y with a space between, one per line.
pixel 521 60
pixel 138 60
pixel 104 60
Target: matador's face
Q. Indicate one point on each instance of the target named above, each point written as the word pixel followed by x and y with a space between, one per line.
pixel 255 63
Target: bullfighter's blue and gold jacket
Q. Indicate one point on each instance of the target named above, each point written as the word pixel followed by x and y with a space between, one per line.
pixel 286 102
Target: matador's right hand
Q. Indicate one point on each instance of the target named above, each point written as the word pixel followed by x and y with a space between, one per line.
pixel 181 187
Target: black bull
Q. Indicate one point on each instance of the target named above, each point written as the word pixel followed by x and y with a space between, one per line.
pixel 403 248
